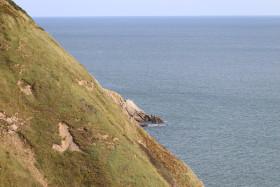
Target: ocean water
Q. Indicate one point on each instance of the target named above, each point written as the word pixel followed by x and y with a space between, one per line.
pixel 215 80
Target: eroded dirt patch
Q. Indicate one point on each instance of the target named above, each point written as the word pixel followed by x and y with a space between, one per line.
pixel 67 142
pixel 12 123
pixel 88 85
pixel 11 142
pixel 5 46
pixel 20 45
pixel 25 89
pixel 23 154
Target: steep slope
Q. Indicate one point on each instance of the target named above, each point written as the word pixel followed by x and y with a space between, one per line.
pixel 57 125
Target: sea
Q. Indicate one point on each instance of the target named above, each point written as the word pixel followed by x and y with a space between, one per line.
pixel 214 80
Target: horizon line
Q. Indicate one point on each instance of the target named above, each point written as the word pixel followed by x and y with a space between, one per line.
pixel 160 16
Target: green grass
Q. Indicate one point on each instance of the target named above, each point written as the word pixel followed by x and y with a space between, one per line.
pixel 53 74
pixel 12 173
pixel 16 6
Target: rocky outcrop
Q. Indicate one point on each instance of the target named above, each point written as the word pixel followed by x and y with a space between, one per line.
pixel 144 125
pixel 133 111
pixel 155 119
pixel 130 109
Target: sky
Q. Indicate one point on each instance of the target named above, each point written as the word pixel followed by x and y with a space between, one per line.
pixel 73 8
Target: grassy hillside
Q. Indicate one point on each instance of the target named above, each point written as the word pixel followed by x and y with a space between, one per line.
pixel 42 86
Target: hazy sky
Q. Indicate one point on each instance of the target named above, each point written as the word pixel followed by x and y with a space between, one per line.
pixel 149 7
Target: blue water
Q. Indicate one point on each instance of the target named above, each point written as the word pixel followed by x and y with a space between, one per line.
pixel 215 80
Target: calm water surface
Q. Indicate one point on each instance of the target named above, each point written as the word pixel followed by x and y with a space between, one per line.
pixel 216 81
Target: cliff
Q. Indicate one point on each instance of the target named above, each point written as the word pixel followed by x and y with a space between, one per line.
pixel 57 125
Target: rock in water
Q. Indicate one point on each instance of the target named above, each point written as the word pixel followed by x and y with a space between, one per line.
pixel 144 125
pixel 155 119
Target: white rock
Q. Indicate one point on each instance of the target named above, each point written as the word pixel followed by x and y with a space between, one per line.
pixel 13 127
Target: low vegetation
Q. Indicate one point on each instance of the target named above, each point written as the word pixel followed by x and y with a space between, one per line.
pixel 40 85
pixel 16 6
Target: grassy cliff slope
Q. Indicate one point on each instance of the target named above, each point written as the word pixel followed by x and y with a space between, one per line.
pixel 49 100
